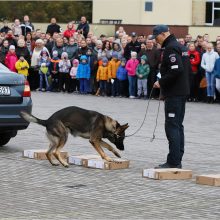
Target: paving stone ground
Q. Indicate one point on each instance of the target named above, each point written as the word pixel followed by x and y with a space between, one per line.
pixel 31 189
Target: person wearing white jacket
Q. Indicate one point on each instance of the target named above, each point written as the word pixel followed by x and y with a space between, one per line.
pixel 208 63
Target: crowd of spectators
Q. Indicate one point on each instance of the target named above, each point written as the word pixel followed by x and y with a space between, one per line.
pixel 124 65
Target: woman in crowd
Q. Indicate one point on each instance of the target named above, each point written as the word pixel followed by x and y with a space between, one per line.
pixel 34 70
pixel 3 51
pixel 106 50
pixel 208 62
pixel 30 43
pixel 22 50
pixel 194 77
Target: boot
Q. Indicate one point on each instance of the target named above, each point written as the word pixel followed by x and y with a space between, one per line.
pixel 208 99
pixel 211 99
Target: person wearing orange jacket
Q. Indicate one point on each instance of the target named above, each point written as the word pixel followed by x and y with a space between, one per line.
pixel 112 73
pixel 102 76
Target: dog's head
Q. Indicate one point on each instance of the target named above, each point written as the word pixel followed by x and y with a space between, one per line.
pixel 118 137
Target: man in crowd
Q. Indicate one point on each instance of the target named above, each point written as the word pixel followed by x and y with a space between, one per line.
pixel 26 26
pixel 83 27
pixel 133 46
pixel 53 27
pixel 153 57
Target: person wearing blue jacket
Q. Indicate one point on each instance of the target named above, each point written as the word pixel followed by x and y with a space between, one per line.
pixel 217 79
pixel 122 76
pixel 83 74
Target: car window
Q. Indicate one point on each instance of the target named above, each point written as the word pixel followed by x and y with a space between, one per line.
pixel 4 68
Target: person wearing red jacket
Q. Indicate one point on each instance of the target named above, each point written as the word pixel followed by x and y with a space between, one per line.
pixel 11 59
pixel 194 76
pixel 69 32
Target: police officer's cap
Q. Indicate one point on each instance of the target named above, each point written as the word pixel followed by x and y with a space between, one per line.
pixel 158 30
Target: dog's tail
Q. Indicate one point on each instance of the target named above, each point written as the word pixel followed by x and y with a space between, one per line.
pixel 30 118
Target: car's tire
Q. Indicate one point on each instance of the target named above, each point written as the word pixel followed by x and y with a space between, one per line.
pixel 4 140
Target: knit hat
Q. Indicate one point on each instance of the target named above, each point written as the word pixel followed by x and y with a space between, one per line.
pixel 144 57
pixel 123 60
pixel 133 53
pixel 55 53
pixel 83 57
pixel 12 47
pixel 115 54
pixel 44 51
pixel 64 54
pixel 104 60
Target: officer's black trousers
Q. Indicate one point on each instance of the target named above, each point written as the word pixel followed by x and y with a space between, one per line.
pixel 174 116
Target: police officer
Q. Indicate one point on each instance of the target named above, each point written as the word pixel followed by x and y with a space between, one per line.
pixel 174 84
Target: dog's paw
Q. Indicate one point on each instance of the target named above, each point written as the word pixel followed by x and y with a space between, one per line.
pixel 109 159
pixel 55 164
pixel 117 154
pixel 66 165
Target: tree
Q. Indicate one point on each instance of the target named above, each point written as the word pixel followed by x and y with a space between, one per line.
pixel 43 11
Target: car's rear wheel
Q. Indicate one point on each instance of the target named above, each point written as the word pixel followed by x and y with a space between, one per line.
pixel 4 140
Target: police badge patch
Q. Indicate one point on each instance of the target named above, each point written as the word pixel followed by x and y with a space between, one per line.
pixel 172 59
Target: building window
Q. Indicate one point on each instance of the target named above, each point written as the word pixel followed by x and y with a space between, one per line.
pixel 213 12
pixel 208 17
pixel 148 6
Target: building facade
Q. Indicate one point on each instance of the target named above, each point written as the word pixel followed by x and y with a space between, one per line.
pixel 144 12
pixel 151 12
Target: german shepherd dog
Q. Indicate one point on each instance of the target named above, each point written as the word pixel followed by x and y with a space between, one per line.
pixel 84 123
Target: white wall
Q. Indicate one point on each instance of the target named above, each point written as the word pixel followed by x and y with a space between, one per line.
pixel 127 10
pixel 171 12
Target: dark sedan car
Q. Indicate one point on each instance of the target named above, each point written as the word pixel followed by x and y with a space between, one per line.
pixel 15 96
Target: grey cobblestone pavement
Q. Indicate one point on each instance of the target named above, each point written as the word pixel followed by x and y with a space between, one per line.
pixel 31 189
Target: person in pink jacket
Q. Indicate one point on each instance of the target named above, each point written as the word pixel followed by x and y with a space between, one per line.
pixel 131 67
pixel 11 58
pixel 74 82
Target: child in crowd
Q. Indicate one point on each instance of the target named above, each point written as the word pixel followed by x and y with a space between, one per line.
pixel 208 62
pixel 54 70
pixel 83 74
pixel 11 59
pixel 74 83
pixel 102 76
pixel 131 67
pixel 44 72
pixel 142 73
pixel 22 66
pixel 112 70
pixel 122 76
pixel 64 69
pixel 92 61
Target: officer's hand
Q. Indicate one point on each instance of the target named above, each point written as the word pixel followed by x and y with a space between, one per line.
pixel 156 84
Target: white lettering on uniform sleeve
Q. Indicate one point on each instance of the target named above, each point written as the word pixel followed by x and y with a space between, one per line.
pixel 171 115
pixel 174 67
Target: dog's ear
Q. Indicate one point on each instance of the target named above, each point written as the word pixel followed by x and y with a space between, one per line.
pixel 122 128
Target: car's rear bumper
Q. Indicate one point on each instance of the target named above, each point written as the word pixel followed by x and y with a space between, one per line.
pixel 10 118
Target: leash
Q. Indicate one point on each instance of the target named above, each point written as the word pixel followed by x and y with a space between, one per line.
pixel 158 109
pixel 155 127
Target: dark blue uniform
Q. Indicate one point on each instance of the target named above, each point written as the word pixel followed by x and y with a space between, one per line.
pixel 174 83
